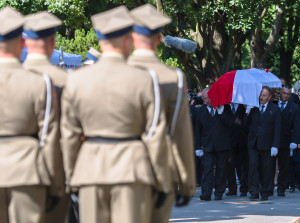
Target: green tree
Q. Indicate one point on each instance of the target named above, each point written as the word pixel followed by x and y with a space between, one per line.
pixel 80 44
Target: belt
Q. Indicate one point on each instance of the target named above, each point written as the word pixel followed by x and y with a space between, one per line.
pixel 111 140
pixel 21 135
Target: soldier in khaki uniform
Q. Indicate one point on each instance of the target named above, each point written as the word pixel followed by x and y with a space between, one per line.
pixel 146 37
pixel 92 56
pixel 117 108
pixel 28 131
pixel 40 29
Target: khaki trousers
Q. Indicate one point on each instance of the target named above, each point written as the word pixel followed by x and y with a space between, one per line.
pixel 24 204
pixel 59 213
pixel 162 215
pixel 126 203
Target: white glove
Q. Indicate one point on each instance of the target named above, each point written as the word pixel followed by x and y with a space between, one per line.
pixel 220 109
pixel 199 152
pixel 274 151
pixel 248 109
pixel 293 146
pixel 291 152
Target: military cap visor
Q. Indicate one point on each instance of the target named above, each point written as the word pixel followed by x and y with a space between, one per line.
pixel 148 20
pixel 11 24
pixel 41 24
pixel 112 23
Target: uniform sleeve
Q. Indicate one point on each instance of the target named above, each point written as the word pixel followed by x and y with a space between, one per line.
pixel 71 133
pixel 183 138
pixel 50 150
pixel 155 139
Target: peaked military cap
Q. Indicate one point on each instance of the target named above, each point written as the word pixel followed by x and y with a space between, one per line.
pixel 11 24
pixel 112 23
pixel 148 20
pixel 41 24
pixel 93 54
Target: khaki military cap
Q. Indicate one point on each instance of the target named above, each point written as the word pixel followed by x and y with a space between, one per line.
pixel 41 24
pixel 93 54
pixel 11 24
pixel 148 20
pixel 112 23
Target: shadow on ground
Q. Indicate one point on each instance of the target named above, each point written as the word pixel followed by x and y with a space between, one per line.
pixel 276 209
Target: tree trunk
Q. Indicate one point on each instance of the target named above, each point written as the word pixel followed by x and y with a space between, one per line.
pixel 260 49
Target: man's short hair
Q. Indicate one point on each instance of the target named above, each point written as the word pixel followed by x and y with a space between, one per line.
pixel 268 89
pixel 287 86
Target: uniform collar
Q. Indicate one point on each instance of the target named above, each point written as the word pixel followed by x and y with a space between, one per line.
pixel 113 55
pixel 144 52
pixel 10 62
pixel 36 56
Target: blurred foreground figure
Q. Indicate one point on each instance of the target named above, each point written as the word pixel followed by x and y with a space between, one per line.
pixel 92 56
pixel 123 159
pixel 146 38
pixel 28 131
pixel 40 29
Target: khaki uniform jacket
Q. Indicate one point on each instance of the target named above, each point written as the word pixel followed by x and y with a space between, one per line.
pixel 40 64
pixel 23 103
pixel 181 146
pixel 114 100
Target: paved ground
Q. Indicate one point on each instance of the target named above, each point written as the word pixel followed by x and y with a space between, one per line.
pixel 239 209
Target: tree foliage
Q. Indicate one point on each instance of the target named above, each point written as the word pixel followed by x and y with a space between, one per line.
pixel 231 34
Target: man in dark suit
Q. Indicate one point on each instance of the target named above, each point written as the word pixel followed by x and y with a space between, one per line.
pixel 289 137
pixel 214 126
pixel 263 143
pixel 194 112
pixel 238 156
pixel 294 97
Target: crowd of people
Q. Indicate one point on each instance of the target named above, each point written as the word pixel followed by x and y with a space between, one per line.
pixel 63 135
pixel 257 146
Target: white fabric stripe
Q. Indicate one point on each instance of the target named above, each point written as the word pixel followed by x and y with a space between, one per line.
pixel 246 89
pixel 157 103
pixel 248 84
pixel 48 109
pixel 178 101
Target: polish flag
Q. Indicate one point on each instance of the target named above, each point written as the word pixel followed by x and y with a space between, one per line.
pixel 241 87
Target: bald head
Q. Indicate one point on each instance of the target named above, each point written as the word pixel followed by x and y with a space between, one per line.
pixel 206 99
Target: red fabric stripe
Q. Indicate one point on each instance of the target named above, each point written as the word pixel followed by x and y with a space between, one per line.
pixel 220 92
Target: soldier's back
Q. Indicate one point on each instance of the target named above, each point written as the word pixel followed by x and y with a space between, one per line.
pixel 22 99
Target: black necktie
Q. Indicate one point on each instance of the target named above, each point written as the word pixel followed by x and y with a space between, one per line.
pixel 262 109
pixel 212 112
pixel 282 106
pixel 233 109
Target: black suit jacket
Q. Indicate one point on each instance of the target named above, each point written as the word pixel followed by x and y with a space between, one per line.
pixel 239 129
pixel 194 112
pixel 294 98
pixel 215 131
pixel 290 125
pixel 264 129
